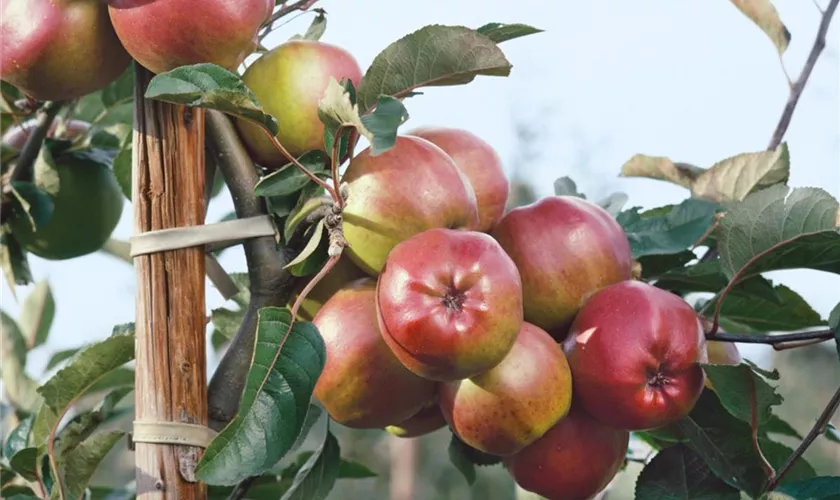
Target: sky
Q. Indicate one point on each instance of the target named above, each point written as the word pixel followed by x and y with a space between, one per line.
pixel 692 80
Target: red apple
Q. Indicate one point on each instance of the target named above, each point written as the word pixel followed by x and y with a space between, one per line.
pixel 574 460
pixel 426 421
pixel 55 50
pixel 164 34
pixel 634 351
pixel 289 81
pixel 340 275
pixel 514 403
pixel 16 136
pixel 482 166
pixel 450 303
pixel 566 249
pixel 363 385
pixel 412 187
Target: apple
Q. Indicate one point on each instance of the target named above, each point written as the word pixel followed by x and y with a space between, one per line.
pixel 16 136
pixel 575 460
pixel 566 249
pixel 721 353
pixel 340 275
pixel 55 50
pixel 165 34
pixel 635 352
pixel 482 166
pixel 87 209
pixel 449 303
pixel 289 81
pixel 408 189
pixel 514 403
pixel 426 421
pixel 363 385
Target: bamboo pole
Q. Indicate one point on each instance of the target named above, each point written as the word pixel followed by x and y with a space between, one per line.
pixel 171 381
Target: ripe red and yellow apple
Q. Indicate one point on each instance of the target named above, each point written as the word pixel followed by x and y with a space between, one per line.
pixel 449 303
pixel 635 352
pixel 480 163
pixel 574 460
pixel 289 82
pixel 408 189
pixel 566 249
pixel 514 403
pixel 59 50
pixel 362 384
pixel 165 34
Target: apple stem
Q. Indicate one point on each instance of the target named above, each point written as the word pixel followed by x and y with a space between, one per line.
pixel 784 338
pixel 22 171
pixel 285 10
pixel 314 178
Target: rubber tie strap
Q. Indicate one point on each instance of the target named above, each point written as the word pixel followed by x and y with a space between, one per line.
pixel 177 433
pixel 191 236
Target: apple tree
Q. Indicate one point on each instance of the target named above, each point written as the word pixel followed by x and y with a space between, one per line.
pixel 390 285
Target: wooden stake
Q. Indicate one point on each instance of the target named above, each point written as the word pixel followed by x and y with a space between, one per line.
pixel 171 381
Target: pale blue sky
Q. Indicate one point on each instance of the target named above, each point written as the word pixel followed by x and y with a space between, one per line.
pixel 693 80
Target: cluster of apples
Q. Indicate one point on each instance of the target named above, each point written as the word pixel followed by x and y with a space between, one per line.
pixel 524 331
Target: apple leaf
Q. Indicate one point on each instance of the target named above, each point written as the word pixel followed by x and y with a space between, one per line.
pixel 275 402
pixel 834 324
pixel 45 172
pixel 210 86
pixel 119 91
pixel 790 312
pixel 464 457
pixel 20 388
pixel 657 266
pixel 434 55
pixel 14 262
pixel 289 179
pixel 17 439
pixel 383 123
pixel 87 369
pixel 565 186
pixel 303 210
pixel 32 203
pixel 832 433
pixel 25 463
pixel 316 29
pixel 775 425
pixel 310 257
pixel 817 488
pixel 736 177
pixel 725 443
pixel 667 230
pixel 679 473
pixel 59 357
pixel 499 32
pixel 778 228
pixel 37 314
pixel 661 168
pixel 226 322
pixel 614 203
pixel 317 476
pixel 766 17
pixel 122 171
pixel 708 277
pixel 745 393
pixel 79 465
pixel 354 470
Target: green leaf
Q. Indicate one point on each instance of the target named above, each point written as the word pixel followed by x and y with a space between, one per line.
pixel 14 262
pixel 313 414
pixel 60 356
pixel 678 473
pixel 83 373
pixel 565 186
pixel 78 466
pixel 614 203
pixel 778 228
pixel 460 461
pixel 383 123
pixel 18 492
pixel 431 56
pixel 661 168
pixel 790 312
pixel 314 254
pixel 303 210
pixel 289 179
pixel 32 203
pixel 121 90
pixel 317 28
pixel 668 230
pixel 316 478
pixel 818 488
pixel 37 314
pixel 834 324
pixel 766 17
pixel 45 172
pixel 275 402
pixel 743 392
pixel 736 177
pixel 18 437
pixel 831 433
pixel 226 322
pixel 25 463
pixel 655 266
pixel 775 425
pixel 122 171
pixel 708 277
pixel 354 470
pixel 20 388
pixel 210 86
pixel 499 32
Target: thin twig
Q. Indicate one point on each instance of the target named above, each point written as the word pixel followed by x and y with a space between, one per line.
pixel 241 489
pixel 819 428
pixel 283 11
pixel 799 85
pixel 34 141
pixel 749 338
pixel 314 178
